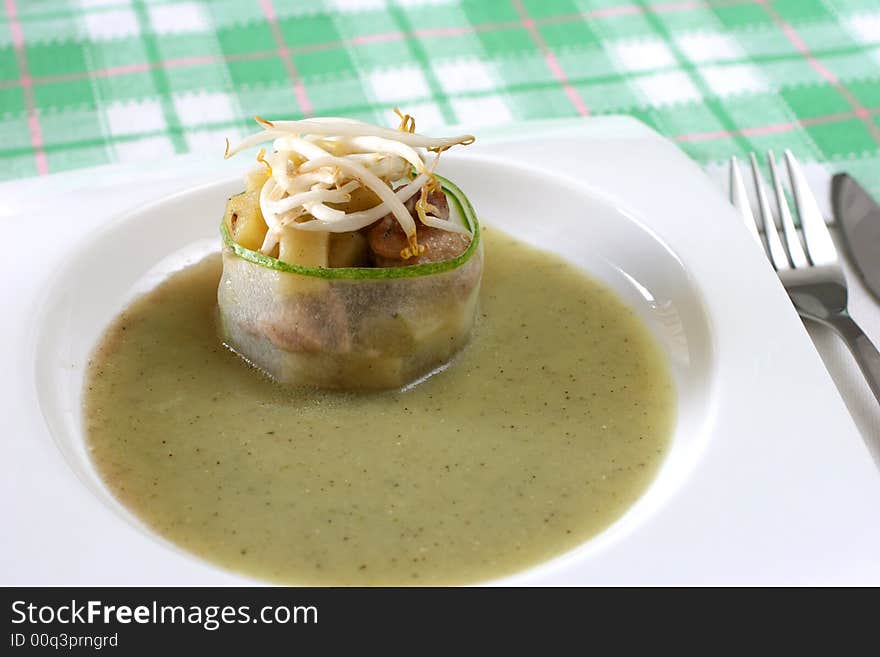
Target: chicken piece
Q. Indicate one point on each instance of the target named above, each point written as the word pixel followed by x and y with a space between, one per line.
pixel 311 326
pixel 436 198
pixel 387 239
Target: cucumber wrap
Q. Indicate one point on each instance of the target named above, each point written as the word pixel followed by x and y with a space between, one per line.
pixel 350 328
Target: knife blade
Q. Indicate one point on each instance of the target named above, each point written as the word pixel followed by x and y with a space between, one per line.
pixel 859 218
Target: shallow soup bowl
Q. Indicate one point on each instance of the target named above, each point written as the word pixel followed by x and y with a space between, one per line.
pixel 609 241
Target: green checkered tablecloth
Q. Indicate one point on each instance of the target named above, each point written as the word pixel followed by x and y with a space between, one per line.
pixel 87 82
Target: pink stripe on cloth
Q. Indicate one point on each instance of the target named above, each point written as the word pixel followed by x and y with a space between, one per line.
pixel 458 31
pixel 571 92
pixel 632 10
pixel 37 142
pixel 14 25
pixel 629 10
pixel 775 128
pixel 382 37
pixel 551 61
pixel 302 98
pixel 299 89
pixel 27 83
pixel 130 69
pixel 110 72
pixel 427 33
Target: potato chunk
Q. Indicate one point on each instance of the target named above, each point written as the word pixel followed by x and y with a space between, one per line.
pixel 349 250
pixel 306 248
pixel 361 199
pixel 255 179
pixel 245 220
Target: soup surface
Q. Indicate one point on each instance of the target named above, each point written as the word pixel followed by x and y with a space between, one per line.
pixel 549 424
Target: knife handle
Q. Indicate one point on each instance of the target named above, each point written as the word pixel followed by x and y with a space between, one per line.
pixel 862 348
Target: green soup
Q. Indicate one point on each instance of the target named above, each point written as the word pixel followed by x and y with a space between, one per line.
pixel 544 430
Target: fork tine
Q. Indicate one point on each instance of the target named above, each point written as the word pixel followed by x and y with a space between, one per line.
pixel 771 233
pixel 820 248
pixel 792 241
pixel 740 199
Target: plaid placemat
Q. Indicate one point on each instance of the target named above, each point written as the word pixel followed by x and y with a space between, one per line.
pixel 87 82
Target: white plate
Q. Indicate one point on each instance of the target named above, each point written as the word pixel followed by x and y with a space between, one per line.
pixel 767 480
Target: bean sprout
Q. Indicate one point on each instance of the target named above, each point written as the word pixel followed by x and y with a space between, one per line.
pixel 322 161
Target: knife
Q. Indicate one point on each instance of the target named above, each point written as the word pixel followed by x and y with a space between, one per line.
pixel 859 218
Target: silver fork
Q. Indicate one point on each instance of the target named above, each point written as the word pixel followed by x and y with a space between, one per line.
pixel 812 276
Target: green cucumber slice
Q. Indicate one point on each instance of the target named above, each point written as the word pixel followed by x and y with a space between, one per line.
pixel 453 193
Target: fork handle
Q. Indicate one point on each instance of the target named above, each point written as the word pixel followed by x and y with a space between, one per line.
pixel 862 348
